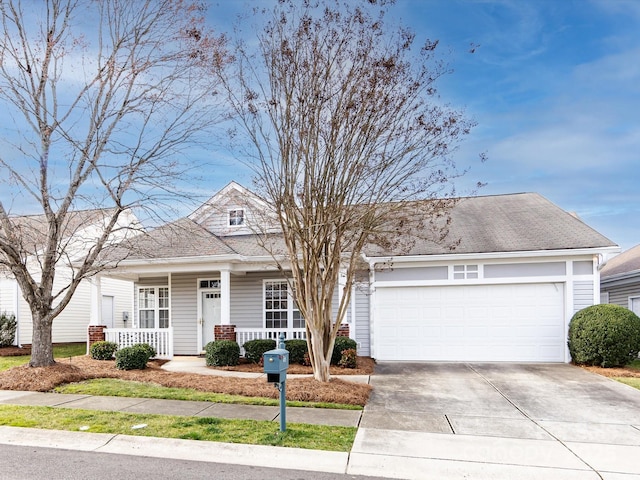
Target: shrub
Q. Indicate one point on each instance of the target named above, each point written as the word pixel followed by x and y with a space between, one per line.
pixel 348 358
pixel 253 349
pixel 306 360
pixel 341 344
pixel 133 358
pixel 103 350
pixel 605 335
pixel 297 349
pixel 150 350
pixel 8 326
pixel 222 353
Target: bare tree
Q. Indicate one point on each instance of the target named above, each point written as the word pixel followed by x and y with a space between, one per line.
pixel 103 96
pixel 347 135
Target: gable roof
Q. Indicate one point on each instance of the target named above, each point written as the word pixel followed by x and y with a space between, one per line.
pixel 520 222
pixel 627 263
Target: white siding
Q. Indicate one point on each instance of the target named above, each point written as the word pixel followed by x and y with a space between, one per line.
pixel 122 293
pixel 7 295
pixel 582 295
pixel 246 299
pixel 71 324
pixel 184 313
pixel 362 334
pixel 620 294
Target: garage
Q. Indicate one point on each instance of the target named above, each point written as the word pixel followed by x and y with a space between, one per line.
pixel 510 322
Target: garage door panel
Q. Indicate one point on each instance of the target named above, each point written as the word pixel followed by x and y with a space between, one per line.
pixel 470 323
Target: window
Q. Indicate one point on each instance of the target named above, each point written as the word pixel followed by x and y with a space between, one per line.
pixel 236 217
pixel 280 307
pixel 209 283
pixel 461 272
pixel 153 307
pixel 634 305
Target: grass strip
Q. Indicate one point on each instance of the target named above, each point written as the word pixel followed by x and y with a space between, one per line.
pixel 252 432
pixel 126 388
pixel 631 381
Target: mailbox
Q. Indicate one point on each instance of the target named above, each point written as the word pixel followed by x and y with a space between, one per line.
pixel 276 363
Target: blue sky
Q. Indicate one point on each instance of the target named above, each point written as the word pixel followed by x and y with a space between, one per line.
pixel 554 86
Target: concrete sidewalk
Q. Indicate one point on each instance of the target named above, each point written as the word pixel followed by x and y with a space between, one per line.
pixel 313 416
pixel 387 453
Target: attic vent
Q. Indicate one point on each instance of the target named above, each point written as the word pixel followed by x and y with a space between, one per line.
pixel 236 217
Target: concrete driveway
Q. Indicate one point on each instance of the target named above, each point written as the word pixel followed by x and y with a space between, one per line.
pixel 484 420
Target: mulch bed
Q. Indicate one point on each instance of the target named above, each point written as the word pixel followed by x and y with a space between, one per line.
pixel 614 372
pixel 364 366
pixel 76 369
pixel 13 351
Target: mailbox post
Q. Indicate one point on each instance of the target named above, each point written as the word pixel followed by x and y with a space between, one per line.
pixel 276 363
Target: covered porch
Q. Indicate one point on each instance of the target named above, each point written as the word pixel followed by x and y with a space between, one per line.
pixel 178 312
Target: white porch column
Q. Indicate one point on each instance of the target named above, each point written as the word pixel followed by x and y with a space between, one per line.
pixel 225 297
pixel 96 300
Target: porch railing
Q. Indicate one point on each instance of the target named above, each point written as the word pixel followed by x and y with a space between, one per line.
pixel 161 339
pixel 245 334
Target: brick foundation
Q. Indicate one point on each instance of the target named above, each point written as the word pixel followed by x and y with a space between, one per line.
pixel 95 334
pixel 224 332
pixel 343 331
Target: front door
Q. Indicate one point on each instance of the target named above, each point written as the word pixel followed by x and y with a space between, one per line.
pixel 210 315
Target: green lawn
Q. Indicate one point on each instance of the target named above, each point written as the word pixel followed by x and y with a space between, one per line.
pixel 634 382
pixel 59 351
pixel 253 432
pixel 126 388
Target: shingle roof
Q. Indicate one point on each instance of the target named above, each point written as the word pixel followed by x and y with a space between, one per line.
pixel 626 262
pixel 510 223
pixel 497 223
pixel 182 238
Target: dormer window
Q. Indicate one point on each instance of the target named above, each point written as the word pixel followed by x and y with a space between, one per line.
pixel 236 217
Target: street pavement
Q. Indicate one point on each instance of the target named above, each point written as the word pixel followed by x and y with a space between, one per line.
pixel 440 421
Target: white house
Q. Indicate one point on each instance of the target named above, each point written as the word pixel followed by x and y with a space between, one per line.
pixel 522 267
pixel 116 296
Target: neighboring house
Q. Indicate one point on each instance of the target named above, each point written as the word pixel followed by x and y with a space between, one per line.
pixel 522 267
pixel 620 280
pixel 71 325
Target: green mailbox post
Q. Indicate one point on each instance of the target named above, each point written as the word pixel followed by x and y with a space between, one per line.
pixel 276 363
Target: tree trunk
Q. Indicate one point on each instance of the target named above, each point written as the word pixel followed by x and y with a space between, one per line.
pixel 41 342
pixel 319 358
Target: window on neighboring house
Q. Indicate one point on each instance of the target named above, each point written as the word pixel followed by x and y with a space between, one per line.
pixel 236 217
pixel 462 272
pixel 153 307
pixel 279 306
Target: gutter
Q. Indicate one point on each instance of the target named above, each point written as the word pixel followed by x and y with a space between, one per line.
pixel 487 255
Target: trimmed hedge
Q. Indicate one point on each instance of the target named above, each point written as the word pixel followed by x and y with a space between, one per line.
pixel 606 335
pixel 134 357
pixel 103 350
pixel 8 327
pixel 222 353
pixel 297 348
pixel 341 344
pixel 254 349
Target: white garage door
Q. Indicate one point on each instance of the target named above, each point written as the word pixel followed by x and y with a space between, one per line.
pixel 470 323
